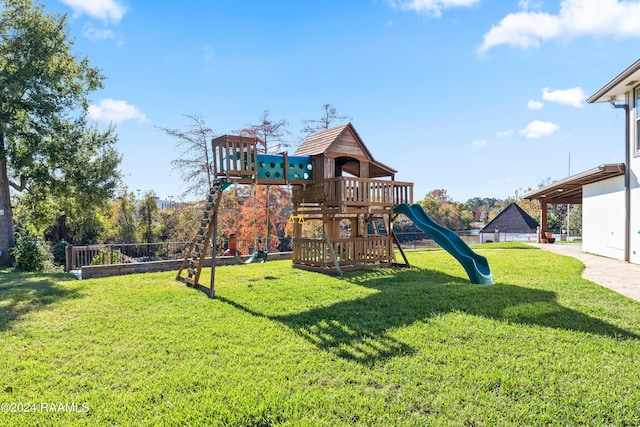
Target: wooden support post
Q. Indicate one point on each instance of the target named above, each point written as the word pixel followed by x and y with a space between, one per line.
pixel 543 220
pixel 68 257
pixel 214 238
pixel 404 257
pixel 332 252
pixel 285 156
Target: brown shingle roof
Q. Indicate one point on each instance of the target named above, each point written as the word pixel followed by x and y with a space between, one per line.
pixel 319 142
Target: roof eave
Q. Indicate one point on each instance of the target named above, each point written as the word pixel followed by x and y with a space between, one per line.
pixel 559 188
pixel 619 85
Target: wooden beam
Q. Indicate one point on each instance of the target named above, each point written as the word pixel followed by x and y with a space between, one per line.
pixel 558 201
pixel 333 253
pixel 214 236
pixel 397 242
pixel 543 219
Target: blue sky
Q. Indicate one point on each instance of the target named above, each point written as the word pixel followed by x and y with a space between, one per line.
pixel 478 97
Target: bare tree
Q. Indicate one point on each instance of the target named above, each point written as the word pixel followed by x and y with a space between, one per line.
pixel 270 134
pixel 330 117
pixel 196 156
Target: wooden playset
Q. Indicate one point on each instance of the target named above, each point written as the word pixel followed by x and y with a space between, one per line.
pixel 337 184
pixel 335 181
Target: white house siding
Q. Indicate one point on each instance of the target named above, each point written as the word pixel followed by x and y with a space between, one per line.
pixel 634 237
pixel 603 219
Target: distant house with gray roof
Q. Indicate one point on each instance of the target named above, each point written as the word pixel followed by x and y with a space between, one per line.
pixel 513 223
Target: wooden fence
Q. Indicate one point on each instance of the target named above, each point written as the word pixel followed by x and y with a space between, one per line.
pixel 122 253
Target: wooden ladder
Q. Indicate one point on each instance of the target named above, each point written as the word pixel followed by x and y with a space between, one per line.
pixel 195 256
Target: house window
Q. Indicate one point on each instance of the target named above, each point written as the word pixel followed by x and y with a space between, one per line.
pixel 636 147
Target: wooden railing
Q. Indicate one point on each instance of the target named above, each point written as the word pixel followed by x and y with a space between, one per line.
pixel 234 156
pixel 118 253
pixel 317 253
pixel 352 191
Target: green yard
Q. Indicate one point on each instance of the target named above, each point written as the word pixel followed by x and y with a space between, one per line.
pixel 279 346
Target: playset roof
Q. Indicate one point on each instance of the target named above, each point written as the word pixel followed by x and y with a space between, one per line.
pixel 342 141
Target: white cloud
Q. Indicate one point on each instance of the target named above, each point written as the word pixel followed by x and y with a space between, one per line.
pixel 480 143
pixel 111 110
pixel 538 129
pixel 576 18
pixel 431 7
pixel 104 10
pixel 94 34
pixel 505 133
pixel 530 4
pixel 535 105
pixel 572 97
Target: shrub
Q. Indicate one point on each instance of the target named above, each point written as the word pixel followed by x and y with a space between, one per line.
pixel 59 251
pixel 107 257
pixel 32 254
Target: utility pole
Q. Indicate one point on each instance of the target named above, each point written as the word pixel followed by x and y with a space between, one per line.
pixel 568 205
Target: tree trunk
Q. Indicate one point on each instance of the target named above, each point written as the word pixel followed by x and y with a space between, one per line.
pixel 7 237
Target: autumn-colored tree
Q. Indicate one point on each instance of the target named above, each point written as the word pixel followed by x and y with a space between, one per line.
pixel 480 208
pixel 443 210
pixel 257 215
pixel 229 211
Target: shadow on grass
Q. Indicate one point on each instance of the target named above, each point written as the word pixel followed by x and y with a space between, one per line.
pixel 22 293
pixel 357 329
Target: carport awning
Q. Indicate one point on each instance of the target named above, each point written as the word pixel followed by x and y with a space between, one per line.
pixel 569 190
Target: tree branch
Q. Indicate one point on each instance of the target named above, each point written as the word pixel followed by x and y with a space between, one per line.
pixel 22 186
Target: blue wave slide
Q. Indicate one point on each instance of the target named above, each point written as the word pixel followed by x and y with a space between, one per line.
pixel 475 265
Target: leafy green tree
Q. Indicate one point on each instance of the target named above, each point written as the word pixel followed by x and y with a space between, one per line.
pixel 122 224
pixel 575 220
pixel 554 221
pixel 148 217
pixel 179 221
pixel 45 142
pixel 73 212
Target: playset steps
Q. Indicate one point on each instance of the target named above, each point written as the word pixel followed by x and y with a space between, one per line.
pixel 195 257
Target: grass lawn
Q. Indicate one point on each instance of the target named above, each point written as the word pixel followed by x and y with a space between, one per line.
pixel 280 346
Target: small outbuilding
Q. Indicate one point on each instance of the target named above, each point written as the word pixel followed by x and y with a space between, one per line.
pixel 609 193
pixel 513 223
